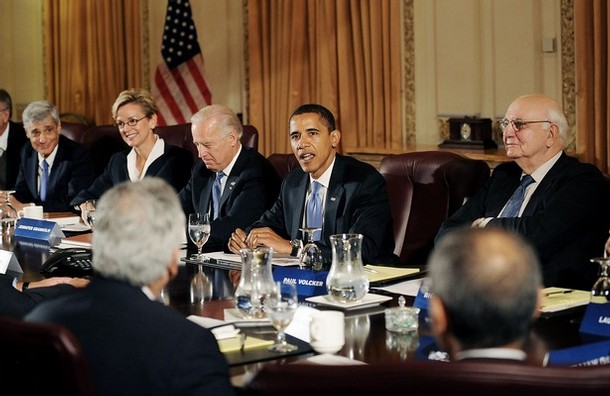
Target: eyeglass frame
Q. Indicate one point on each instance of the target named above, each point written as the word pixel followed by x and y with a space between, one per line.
pixel 131 122
pixel 518 124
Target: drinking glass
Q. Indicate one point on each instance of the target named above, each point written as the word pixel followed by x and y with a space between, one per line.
pixel 201 287
pixel 199 231
pixel 311 257
pixel 280 307
pixel 600 293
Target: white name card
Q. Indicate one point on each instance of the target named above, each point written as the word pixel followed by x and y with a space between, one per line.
pixel 8 262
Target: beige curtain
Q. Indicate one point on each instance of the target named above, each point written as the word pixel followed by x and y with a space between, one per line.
pixel 92 51
pixel 591 33
pixel 344 54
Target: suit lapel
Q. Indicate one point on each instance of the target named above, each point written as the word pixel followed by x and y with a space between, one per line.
pixel 542 191
pixel 334 196
pixel 297 202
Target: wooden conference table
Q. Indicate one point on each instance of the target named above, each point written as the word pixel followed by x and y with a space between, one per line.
pixel 366 338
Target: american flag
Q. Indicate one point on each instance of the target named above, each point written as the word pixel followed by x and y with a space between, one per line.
pixel 180 89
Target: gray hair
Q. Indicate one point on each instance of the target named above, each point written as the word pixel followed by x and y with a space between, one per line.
pixel 139 225
pixel 38 111
pixel 488 281
pixel 225 118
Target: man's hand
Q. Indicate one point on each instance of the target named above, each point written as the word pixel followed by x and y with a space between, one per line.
pixel 237 241
pixel 265 236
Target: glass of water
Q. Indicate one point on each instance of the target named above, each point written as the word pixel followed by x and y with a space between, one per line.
pixel 199 231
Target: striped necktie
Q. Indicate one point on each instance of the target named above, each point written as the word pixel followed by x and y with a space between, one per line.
pixel 216 194
pixel 44 179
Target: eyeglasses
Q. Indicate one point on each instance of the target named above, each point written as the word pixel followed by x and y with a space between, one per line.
pixel 518 124
pixel 132 122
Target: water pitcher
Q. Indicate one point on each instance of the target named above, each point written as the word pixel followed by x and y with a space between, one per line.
pixel 347 281
pixel 256 281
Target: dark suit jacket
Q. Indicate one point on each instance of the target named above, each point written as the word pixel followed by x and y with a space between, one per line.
pixel 174 166
pixel 71 173
pixel 135 346
pixel 356 202
pixel 250 189
pixel 16 140
pixel 566 219
pixel 16 304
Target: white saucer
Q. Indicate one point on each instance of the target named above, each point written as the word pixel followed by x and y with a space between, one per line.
pixel 369 300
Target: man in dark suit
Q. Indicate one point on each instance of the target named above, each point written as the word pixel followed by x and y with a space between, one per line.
pixel 247 187
pixel 12 139
pixel 53 168
pixel 134 344
pixel 352 195
pixel 563 213
pixel 17 298
pixel 486 290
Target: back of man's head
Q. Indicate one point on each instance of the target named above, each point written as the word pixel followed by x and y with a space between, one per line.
pixel 488 281
pixel 138 228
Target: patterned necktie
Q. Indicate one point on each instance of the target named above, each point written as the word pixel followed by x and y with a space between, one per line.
pixel 314 210
pixel 216 189
pixel 44 178
pixel 513 206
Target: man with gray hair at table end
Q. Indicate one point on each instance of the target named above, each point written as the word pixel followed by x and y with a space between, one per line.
pixel 133 343
pixel 487 291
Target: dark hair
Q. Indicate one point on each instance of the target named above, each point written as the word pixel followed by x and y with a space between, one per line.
pixel 328 119
pixel 6 99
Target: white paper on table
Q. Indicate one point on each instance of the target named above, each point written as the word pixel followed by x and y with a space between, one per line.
pixel 299 326
pixel 219 328
pixel 334 360
pixel 230 257
pixel 76 227
pixel 407 288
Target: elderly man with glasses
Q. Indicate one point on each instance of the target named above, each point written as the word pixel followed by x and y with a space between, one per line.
pixel 557 203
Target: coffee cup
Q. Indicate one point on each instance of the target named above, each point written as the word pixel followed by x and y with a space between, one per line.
pixel 33 212
pixel 327 331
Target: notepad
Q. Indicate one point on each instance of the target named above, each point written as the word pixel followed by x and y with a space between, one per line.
pixel 559 299
pixel 378 273
pixel 234 344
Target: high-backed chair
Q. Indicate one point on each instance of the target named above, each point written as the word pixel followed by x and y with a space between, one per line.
pixel 283 163
pixel 37 358
pixel 74 130
pixel 428 379
pixel 424 189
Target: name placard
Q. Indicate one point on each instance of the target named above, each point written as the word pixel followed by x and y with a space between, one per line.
pixel 596 321
pixel 41 230
pixel 423 297
pixel 308 282
pixel 8 262
pixel 594 354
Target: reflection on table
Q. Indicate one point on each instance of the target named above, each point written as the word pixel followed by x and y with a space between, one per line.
pixel 366 338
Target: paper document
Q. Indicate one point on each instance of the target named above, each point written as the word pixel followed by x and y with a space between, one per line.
pixel 82 240
pixel 378 273
pixel 407 288
pixel 235 344
pixel 558 299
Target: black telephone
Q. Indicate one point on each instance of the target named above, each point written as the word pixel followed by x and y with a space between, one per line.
pixel 73 262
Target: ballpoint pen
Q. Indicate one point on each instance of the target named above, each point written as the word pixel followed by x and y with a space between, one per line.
pixel 558 292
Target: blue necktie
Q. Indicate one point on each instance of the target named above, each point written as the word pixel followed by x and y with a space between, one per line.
pixel 216 189
pixel 314 210
pixel 44 178
pixel 513 206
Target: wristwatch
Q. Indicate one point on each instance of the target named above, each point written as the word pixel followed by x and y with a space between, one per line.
pixel 297 245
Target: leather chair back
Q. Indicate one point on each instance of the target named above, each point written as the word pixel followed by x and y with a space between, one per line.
pixel 37 358
pixel 283 163
pixel 425 188
pixel 74 131
pixel 428 379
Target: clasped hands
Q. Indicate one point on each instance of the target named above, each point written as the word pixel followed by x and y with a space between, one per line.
pixel 263 236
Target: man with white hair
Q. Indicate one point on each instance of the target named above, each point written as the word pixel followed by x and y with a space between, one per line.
pixel 134 344
pixel 556 202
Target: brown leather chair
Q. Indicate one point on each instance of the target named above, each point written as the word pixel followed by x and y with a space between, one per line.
pixel 39 358
pixel 283 163
pixel 424 189
pixel 74 130
pixel 428 379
